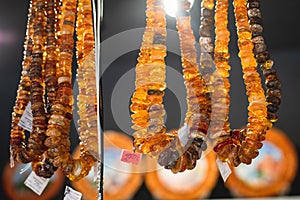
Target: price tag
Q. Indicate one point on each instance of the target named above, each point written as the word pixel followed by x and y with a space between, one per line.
pixel 183 134
pixel 35 183
pixel 131 157
pixel 26 119
pixel 224 169
pixel 71 194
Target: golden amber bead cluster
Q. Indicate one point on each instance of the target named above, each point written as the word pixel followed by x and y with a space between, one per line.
pixel 48 61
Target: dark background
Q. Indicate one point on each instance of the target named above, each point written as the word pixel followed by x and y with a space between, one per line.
pixel 281 35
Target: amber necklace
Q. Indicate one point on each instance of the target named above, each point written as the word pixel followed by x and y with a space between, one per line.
pixel 31 89
pixel 241 146
pixel 272 84
pixel 147 108
pixel 54 62
pixel 58 143
pixel 198 101
pixel 172 154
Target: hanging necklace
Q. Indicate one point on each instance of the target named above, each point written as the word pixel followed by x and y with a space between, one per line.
pixel 61 111
pixel 272 83
pixel 180 155
pixel 23 151
pixel 147 108
pixel 17 134
pixel 242 145
pixel 48 53
pixel 172 154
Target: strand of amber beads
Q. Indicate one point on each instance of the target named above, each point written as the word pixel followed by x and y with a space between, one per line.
pixel 205 40
pixel 220 127
pixel 61 111
pixel 147 108
pixel 17 134
pixel 45 169
pixel 272 83
pixel 246 142
pixel 207 49
pixel 35 145
pixel 177 156
pixel 257 109
pixel 86 77
pixel 51 53
pixel 39 122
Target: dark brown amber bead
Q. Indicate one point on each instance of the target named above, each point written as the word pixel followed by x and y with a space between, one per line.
pixel 274 100
pixel 273 83
pixel 155 92
pixel 274 92
pixel 262 57
pixel 256 20
pixel 206 12
pixel 273 108
pixel 253 4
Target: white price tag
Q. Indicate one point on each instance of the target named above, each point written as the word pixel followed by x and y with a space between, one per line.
pixel 224 169
pixel 36 183
pixel 26 119
pixel 71 194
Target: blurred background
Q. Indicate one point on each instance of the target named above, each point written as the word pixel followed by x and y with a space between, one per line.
pixel 124 19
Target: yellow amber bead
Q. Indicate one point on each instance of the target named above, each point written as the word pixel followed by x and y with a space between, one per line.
pixel 209 4
pixel 268 64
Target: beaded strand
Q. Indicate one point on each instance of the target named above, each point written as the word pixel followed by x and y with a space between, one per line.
pixel 35 146
pixel 272 83
pixel 221 84
pixel 177 156
pixel 51 53
pixel 17 134
pixel 61 113
pixel 244 144
pixel 86 77
pixel 147 108
pixel 36 73
pixel 45 168
pixel 205 40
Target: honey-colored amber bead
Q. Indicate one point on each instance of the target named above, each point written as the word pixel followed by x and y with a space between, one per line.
pixel 209 4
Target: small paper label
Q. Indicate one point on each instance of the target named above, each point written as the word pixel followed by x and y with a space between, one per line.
pixel 183 134
pixel 36 183
pixel 71 194
pixel 26 119
pixel 224 169
pixel 131 157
